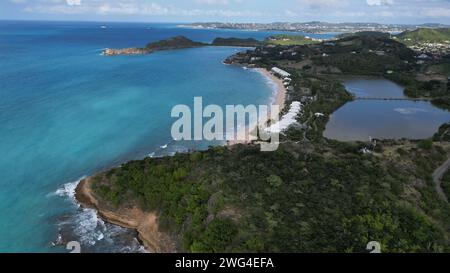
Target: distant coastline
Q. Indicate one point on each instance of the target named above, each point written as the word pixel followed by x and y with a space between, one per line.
pixel 180 42
pixel 315 27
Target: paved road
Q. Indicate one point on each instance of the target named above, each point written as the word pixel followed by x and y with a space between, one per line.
pixel 437 176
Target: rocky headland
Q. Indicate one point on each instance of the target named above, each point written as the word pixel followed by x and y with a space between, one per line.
pixel 180 42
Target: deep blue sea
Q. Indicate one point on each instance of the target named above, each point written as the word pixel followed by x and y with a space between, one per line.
pixel 68 112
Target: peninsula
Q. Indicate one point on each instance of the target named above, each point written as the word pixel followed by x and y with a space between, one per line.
pixel 180 42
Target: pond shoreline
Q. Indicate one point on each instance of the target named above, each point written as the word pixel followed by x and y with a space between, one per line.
pixel 383 111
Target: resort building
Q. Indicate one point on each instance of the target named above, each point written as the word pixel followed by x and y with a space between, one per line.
pixel 280 72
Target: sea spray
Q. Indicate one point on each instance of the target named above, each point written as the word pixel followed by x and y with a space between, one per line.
pixel 94 234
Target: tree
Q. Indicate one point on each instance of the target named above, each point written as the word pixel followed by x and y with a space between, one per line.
pixel 275 181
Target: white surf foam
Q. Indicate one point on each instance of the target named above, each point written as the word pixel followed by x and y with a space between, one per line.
pixel 89 229
pixel 68 189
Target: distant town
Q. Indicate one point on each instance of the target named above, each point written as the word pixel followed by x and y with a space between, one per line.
pixel 316 27
pixel 431 50
pixel 426 47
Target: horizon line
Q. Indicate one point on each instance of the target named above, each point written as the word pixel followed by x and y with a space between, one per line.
pixel 219 22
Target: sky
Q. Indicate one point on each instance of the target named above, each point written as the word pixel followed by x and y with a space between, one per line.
pixel 264 11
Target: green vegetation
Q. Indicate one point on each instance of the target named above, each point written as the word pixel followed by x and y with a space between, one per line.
pixel 236 42
pixel 426 144
pixel 288 40
pixel 172 43
pixel 312 194
pixel 446 184
pixel 366 35
pixel 367 55
pixel 183 42
pixel 297 199
pixel 443 134
pixel 436 90
pixel 330 94
pixel 425 35
pixel 440 68
pixel 381 56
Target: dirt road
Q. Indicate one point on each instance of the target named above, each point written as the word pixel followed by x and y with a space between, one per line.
pixel 437 176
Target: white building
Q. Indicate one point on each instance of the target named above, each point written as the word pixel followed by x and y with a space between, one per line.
pixel 280 72
pixel 255 59
pixel 423 56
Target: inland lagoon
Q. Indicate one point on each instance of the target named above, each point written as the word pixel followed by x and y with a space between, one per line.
pixel 362 119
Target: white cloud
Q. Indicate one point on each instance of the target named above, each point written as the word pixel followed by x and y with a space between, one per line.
pixel 212 2
pixel 320 4
pixel 248 10
pixel 73 2
pixel 437 12
pixel 132 7
pixel 217 2
pixel 380 2
pixel 290 13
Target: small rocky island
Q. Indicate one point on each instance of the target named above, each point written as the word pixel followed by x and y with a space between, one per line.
pixel 179 42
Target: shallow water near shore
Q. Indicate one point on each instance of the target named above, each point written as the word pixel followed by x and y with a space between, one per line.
pixel 67 112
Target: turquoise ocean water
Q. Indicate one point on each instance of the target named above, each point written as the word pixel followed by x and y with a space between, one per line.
pixel 67 112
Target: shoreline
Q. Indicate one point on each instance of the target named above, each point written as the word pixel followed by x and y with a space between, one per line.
pixel 144 223
pixel 278 97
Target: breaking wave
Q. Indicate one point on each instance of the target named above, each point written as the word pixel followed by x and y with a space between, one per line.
pixel 94 235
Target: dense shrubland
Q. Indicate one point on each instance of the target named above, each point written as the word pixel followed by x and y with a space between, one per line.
pixel 306 199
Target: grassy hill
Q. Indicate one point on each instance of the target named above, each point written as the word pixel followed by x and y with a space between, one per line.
pixel 367 53
pixel 173 43
pixel 236 42
pixel 286 40
pixel 365 34
pixel 424 35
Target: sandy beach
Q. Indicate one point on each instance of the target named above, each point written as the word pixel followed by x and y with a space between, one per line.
pixel 278 98
pixel 146 223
